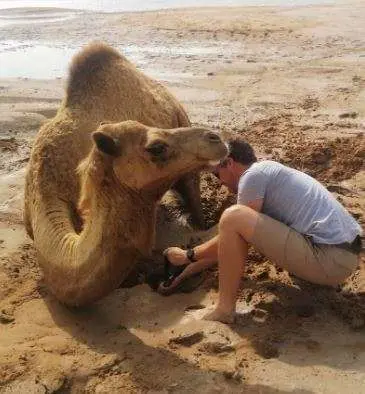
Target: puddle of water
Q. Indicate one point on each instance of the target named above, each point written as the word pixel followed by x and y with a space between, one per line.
pixel 18 17
pixel 193 49
pixel 9 21
pixel 141 5
pixel 33 61
pixel 46 61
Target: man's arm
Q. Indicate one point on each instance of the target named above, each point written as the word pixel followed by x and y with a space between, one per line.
pixel 252 189
pixel 256 205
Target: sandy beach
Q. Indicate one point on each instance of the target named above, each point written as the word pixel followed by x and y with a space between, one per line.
pixel 292 81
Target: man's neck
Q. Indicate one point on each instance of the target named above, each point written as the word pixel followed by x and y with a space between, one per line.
pixel 241 169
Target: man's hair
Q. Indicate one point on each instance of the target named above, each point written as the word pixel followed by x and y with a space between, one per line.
pixel 241 151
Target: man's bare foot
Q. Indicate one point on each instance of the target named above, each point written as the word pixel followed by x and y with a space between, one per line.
pixel 176 256
pixel 218 315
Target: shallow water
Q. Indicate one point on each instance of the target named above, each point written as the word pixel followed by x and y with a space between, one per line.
pixel 14 58
pixel 21 16
pixel 134 5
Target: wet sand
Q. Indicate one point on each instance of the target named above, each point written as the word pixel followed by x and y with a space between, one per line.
pixel 292 80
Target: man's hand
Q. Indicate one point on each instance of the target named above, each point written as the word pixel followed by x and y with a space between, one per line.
pixel 190 270
pixel 176 256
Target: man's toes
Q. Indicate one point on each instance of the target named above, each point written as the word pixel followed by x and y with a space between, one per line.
pixel 217 315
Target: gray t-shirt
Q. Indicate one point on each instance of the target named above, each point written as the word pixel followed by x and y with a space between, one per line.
pixel 299 201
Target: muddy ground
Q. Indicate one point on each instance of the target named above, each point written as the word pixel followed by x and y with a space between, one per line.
pixel 292 81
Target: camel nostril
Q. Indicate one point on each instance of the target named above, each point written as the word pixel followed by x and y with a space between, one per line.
pixel 213 137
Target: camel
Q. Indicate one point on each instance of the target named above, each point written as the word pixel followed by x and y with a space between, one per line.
pixel 118 142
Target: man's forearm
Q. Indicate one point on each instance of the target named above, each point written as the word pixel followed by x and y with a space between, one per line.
pixel 208 251
pixel 196 267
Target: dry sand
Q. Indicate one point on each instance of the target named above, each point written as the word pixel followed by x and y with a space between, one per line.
pixel 291 80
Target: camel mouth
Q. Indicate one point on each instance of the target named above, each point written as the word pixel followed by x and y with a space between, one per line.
pixel 213 163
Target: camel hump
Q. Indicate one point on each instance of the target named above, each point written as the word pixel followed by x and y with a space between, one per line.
pixel 86 67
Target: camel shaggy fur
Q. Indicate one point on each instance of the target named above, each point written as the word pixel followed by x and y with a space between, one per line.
pixel 125 166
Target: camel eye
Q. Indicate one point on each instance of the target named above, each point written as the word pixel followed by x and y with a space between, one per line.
pixel 157 148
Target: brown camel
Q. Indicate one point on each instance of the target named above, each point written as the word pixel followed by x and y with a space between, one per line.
pixel 124 169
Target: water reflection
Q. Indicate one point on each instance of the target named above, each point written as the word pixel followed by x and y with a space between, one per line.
pixel 49 61
pixel 139 5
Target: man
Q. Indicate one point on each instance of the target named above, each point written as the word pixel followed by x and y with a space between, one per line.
pixel 286 215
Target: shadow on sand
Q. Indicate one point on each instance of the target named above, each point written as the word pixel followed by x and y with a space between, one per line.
pixel 103 328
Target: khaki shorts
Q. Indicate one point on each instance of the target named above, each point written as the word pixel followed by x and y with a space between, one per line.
pixel 288 249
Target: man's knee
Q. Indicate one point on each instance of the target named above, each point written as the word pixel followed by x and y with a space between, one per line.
pixel 234 215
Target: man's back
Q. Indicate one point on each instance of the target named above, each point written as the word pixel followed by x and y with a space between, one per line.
pixel 299 201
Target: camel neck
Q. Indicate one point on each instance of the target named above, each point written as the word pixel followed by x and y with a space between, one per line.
pixel 118 231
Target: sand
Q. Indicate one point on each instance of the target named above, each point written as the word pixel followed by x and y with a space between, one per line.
pixel 291 80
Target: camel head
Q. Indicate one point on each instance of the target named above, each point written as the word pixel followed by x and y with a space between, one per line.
pixel 147 158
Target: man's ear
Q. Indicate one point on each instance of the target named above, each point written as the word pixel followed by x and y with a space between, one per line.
pixel 106 144
pixel 228 162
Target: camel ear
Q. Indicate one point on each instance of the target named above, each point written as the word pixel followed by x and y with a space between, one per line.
pixel 106 144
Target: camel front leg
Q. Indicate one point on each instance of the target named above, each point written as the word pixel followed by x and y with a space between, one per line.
pixel 189 189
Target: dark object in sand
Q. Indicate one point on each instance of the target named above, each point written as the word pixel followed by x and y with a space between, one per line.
pixel 351 114
pixel 216 348
pixel 304 310
pixel 168 273
pixel 194 307
pixel 5 318
pixel 187 339
pixel 171 272
pixel 233 375
pixel 267 349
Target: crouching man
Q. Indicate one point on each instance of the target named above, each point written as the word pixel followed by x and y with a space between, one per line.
pixel 286 215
